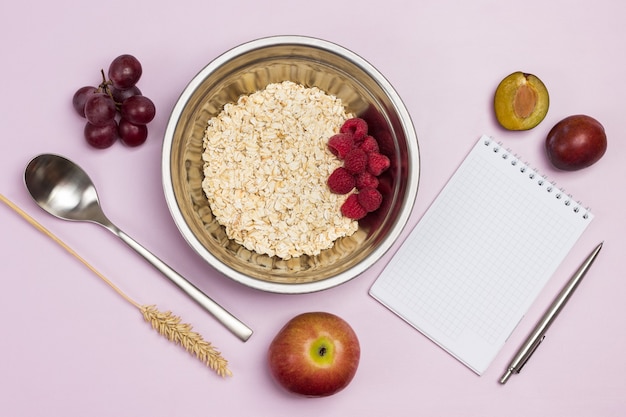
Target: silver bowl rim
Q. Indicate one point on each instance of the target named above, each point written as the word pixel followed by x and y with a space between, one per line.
pixel 412 180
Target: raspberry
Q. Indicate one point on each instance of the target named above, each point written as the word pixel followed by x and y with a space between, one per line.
pixel 377 163
pixel 366 180
pixel 370 198
pixel 352 208
pixel 369 144
pixel 340 144
pixel 356 127
pixel 341 181
pixel 355 161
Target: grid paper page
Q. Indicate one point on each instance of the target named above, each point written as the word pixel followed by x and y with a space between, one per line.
pixel 477 259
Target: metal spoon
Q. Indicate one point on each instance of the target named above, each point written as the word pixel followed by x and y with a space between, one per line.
pixel 64 190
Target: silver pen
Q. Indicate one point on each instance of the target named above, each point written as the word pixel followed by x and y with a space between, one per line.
pixel 539 332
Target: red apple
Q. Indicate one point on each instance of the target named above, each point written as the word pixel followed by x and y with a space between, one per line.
pixel 576 142
pixel 315 354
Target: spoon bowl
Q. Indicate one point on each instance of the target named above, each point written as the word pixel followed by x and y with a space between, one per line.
pixel 64 190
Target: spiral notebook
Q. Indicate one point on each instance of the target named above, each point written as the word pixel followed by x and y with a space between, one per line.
pixel 475 262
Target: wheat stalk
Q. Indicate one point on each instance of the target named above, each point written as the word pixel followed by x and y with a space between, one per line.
pixel 166 324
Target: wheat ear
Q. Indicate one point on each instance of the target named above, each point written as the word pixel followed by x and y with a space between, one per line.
pixel 166 324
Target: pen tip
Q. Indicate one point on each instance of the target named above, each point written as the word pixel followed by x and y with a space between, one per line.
pixel 506 376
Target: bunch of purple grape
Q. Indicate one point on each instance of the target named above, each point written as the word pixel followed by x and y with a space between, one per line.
pixel 117 96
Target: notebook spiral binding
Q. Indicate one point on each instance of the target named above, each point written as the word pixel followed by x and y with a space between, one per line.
pixel 533 174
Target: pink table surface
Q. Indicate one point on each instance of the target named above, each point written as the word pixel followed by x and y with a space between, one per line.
pixel 70 346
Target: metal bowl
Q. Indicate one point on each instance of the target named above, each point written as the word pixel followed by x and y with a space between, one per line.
pixel 313 63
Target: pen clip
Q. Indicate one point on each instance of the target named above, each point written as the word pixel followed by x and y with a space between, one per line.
pixel 530 353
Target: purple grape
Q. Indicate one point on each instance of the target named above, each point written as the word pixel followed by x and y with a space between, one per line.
pixel 80 96
pixel 120 95
pixel 101 137
pixel 132 134
pixel 99 109
pixel 138 110
pixel 124 71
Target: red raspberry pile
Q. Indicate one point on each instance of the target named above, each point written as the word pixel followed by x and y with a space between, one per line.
pixel 362 164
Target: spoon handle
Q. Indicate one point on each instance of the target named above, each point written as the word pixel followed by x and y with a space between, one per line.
pixel 231 322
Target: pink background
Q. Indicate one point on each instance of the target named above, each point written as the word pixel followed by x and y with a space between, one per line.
pixel 70 346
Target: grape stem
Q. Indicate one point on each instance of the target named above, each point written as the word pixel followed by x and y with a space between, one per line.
pixel 104 88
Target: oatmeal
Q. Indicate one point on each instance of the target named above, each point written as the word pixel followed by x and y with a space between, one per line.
pixel 266 164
